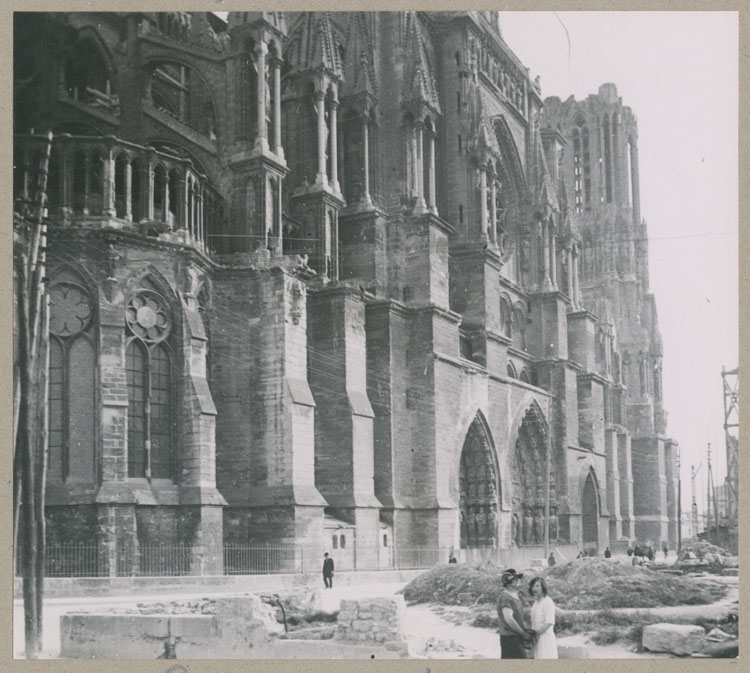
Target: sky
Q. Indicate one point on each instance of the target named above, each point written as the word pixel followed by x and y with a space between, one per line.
pixel 678 71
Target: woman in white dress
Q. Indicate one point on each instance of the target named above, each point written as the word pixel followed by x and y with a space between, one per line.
pixel 543 620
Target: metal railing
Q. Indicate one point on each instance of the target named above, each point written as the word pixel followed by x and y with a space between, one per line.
pixel 169 560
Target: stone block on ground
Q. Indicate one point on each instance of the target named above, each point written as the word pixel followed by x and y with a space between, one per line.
pixel 679 639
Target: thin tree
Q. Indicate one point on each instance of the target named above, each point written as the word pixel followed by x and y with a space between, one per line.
pixel 30 426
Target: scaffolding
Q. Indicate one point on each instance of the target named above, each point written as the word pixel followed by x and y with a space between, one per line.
pixel 730 381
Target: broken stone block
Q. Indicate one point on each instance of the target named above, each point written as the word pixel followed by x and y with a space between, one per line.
pixel 680 639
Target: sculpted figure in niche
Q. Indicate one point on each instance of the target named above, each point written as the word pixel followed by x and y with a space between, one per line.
pixel 515 530
pixel 492 526
pixel 528 526
pixel 538 525
pixel 481 524
pixel 463 528
pixel 553 523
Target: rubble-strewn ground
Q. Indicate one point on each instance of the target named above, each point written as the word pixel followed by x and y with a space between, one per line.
pixel 586 584
pixel 440 628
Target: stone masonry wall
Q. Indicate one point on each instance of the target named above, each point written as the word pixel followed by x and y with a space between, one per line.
pixel 372 619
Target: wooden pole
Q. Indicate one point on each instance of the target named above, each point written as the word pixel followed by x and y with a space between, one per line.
pixel 547 487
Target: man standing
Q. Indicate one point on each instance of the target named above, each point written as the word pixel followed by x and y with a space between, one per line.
pixel 513 631
pixel 327 571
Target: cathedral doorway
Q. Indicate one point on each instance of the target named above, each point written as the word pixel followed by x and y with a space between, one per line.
pixel 529 483
pixel 590 514
pixel 479 490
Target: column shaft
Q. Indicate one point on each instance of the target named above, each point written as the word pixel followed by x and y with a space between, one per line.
pixel 261 52
pixel 493 211
pixel 278 149
pixel 483 199
pixel 366 153
pixel 334 146
pixel 320 104
pixel 552 256
pixel 545 255
pixel 419 140
pixel 433 199
pixel 109 187
pixel 128 191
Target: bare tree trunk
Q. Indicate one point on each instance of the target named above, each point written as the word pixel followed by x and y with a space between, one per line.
pixel 42 454
pixel 25 450
pixel 31 447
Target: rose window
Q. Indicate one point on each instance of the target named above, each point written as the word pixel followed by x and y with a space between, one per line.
pixel 70 309
pixel 147 316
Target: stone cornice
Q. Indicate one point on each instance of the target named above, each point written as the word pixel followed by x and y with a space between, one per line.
pixel 592 376
pixel 390 305
pixel 477 251
pixel 445 313
pixel 524 355
pixel 436 222
pixel 582 313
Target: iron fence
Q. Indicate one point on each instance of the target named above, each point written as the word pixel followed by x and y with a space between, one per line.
pixel 73 560
pixel 130 559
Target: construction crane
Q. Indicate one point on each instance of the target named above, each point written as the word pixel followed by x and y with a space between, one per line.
pixel 694 503
pixel 730 380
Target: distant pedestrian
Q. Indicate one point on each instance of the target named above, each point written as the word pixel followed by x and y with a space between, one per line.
pixel 551 559
pixel 514 634
pixel 630 551
pixel 543 620
pixel 452 558
pixel 607 553
pixel 327 571
pixel 665 549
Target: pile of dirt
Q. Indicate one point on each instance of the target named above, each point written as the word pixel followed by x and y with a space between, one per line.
pixel 590 584
pixel 699 552
pixel 586 584
pixel 456 584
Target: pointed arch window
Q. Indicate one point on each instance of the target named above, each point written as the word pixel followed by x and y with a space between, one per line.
pixel 88 77
pixel 150 380
pixel 180 92
pixel 71 395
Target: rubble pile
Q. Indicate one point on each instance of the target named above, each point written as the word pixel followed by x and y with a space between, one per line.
pixel 700 553
pixel 591 584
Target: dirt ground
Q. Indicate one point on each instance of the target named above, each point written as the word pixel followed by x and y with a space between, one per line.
pixel 432 631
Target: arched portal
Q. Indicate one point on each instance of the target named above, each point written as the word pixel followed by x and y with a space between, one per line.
pixel 590 514
pixel 529 482
pixel 479 489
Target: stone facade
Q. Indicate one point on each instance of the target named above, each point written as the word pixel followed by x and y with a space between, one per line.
pixel 394 301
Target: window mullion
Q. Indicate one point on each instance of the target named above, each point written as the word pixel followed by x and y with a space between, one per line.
pixel 147 414
pixel 65 429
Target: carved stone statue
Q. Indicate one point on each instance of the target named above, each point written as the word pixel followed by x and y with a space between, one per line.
pixel 481 520
pixel 514 530
pixel 553 524
pixel 492 526
pixel 528 527
pixel 538 526
pixel 464 530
